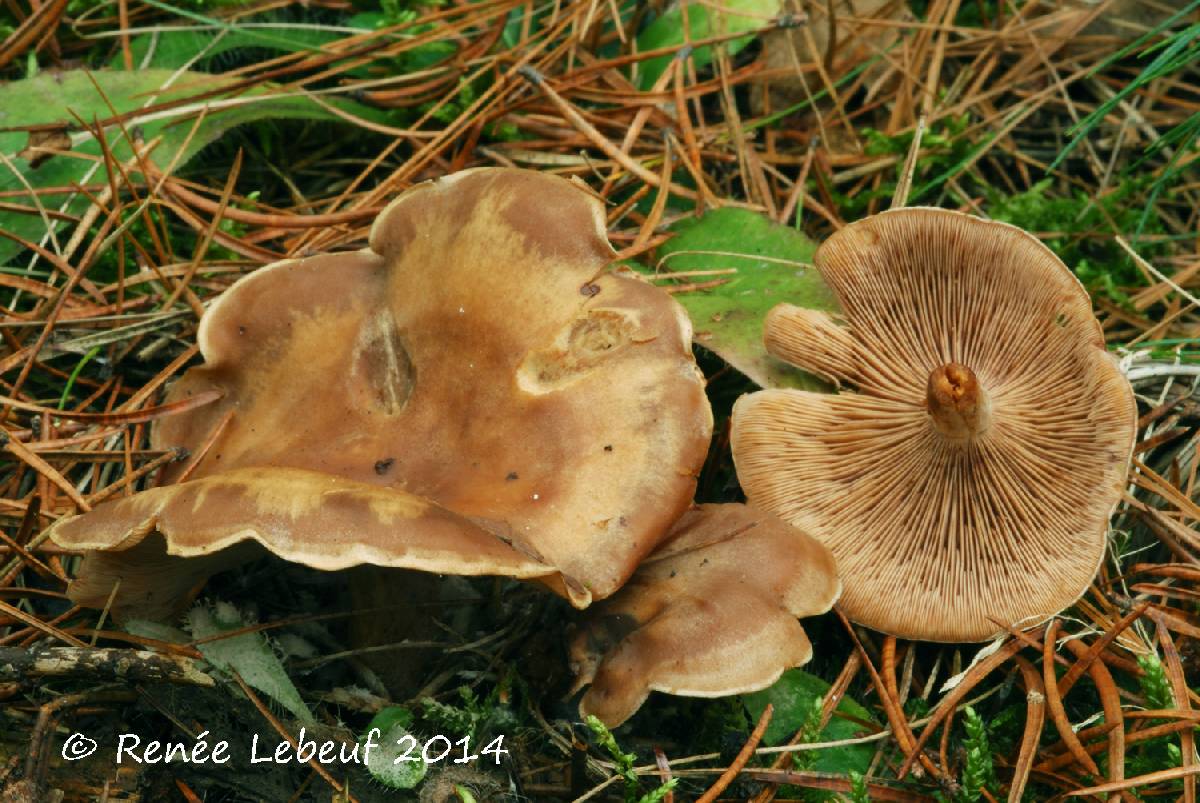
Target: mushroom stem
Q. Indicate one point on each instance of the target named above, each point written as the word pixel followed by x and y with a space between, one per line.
pixel 958 405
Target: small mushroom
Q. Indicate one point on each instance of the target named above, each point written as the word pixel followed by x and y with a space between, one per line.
pixel 712 612
pixel 477 393
pixel 966 486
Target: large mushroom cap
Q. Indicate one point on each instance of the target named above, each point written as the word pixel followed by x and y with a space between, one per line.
pixel 475 394
pixel 967 485
pixel 711 613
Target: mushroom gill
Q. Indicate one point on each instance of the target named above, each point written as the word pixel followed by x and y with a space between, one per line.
pixel 965 487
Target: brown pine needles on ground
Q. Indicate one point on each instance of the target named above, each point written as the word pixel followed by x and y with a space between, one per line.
pixel 1000 94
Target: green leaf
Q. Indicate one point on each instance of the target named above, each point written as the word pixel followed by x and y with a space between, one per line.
pixel 51 97
pixel 396 762
pixel 704 20
pixel 391 717
pixel 155 630
pixel 172 48
pixel 248 654
pixel 728 319
pixel 794 696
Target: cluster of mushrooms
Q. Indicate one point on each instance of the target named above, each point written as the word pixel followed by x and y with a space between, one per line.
pixel 480 393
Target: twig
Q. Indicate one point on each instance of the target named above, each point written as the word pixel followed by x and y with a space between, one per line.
pixel 743 756
pixel 105 662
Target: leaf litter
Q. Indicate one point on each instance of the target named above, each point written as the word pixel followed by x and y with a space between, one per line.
pixel 143 174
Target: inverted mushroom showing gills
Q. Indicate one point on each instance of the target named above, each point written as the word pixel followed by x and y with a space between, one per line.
pixel 712 612
pixel 476 393
pixel 966 486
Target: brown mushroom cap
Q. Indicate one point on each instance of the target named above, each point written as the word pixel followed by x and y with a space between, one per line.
pixel 967 485
pixel 711 613
pixel 476 394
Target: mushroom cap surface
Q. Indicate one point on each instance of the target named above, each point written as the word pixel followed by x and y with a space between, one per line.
pixel 966 486
pixel 712 612
pixel 476 394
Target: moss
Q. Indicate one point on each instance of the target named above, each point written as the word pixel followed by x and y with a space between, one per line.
pixel 1081 230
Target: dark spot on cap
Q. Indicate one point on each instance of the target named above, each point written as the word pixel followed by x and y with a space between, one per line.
pixel 382 466
pixel 241 330
pixel 608 448
pixel 512 475
pixel 611 630
pixel 590 289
